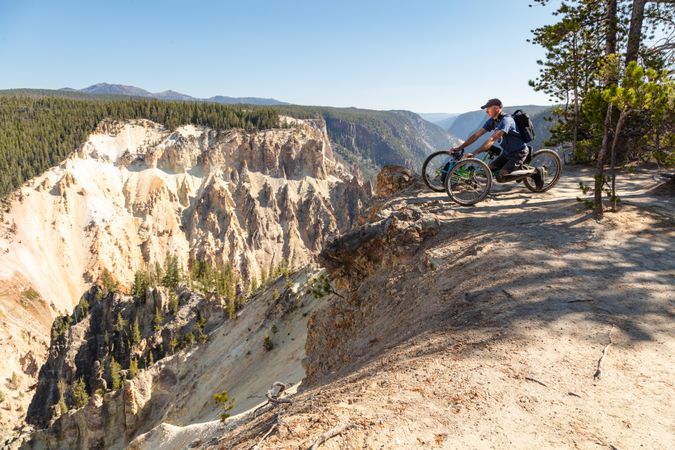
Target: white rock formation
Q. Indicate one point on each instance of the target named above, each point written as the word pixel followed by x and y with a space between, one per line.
pixel 136 191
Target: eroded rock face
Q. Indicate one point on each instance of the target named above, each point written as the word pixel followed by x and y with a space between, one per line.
pixel 110 326
pixel 135 192
pixel 394 238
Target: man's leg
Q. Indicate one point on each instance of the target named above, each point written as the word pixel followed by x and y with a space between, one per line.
pixel 513 161
pixel 498 162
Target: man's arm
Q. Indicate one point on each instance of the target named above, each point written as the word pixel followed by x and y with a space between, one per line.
pixel 497 135
pixel 471 139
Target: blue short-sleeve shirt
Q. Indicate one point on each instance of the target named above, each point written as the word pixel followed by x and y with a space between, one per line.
pixel 511 141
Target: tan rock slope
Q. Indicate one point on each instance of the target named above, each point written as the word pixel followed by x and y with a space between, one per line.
pixel 135 192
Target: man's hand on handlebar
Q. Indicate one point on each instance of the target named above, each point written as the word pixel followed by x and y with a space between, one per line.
pixel 456 150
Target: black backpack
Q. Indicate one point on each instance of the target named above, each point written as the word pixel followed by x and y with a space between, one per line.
pixel 524 125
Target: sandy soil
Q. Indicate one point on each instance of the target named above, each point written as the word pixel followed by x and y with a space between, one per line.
pixel 494 341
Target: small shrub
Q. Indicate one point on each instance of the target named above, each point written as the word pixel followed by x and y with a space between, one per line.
pixel 320 286
pixel 14 382
pixel 188 340
pixel 173 343
pixel 227 403
pixel 30 294
pixel 201 320
pixel 268 345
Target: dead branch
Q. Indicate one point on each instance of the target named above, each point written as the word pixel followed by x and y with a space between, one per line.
pixel 257 446
pixel 330 434
pixel 263 406
pixel 274 426
pixel 535 381
pixel 598 372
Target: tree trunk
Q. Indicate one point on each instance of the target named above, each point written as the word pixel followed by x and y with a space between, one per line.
pixel 610 18
pixel 635 31
pixel 610 48
pixel 632 48
pixel 600 169
pixel 617 132
pixel 576 96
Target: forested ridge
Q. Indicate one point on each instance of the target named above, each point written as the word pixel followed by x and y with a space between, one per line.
pixel 40 128
pixel 38 132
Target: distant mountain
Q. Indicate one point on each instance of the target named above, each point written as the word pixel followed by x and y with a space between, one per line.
pixel 116 89
pixel 244 100
pixel 465 124
pixel 443 120
pixel 437 117
pixel 108 89
pixel 172 95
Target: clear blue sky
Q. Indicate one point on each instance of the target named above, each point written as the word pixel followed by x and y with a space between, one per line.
pixel 424 56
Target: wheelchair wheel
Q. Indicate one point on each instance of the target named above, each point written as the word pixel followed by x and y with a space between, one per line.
pixel 552 165
pixel 469 181
pixel 435 170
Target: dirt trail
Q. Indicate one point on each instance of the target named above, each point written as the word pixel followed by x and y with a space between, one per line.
pixel 491 336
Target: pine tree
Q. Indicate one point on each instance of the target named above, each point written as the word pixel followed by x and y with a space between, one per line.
pixel 133 368
pixel 173 303
pixel 136 333
pixel 62 388
pixel 157 320
pixel 120 323
pixel 109 283
pixel 254 285
pixel 141 284
pixel 114 370
pixel 171 272
pixel 84 306
pixel 78 392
